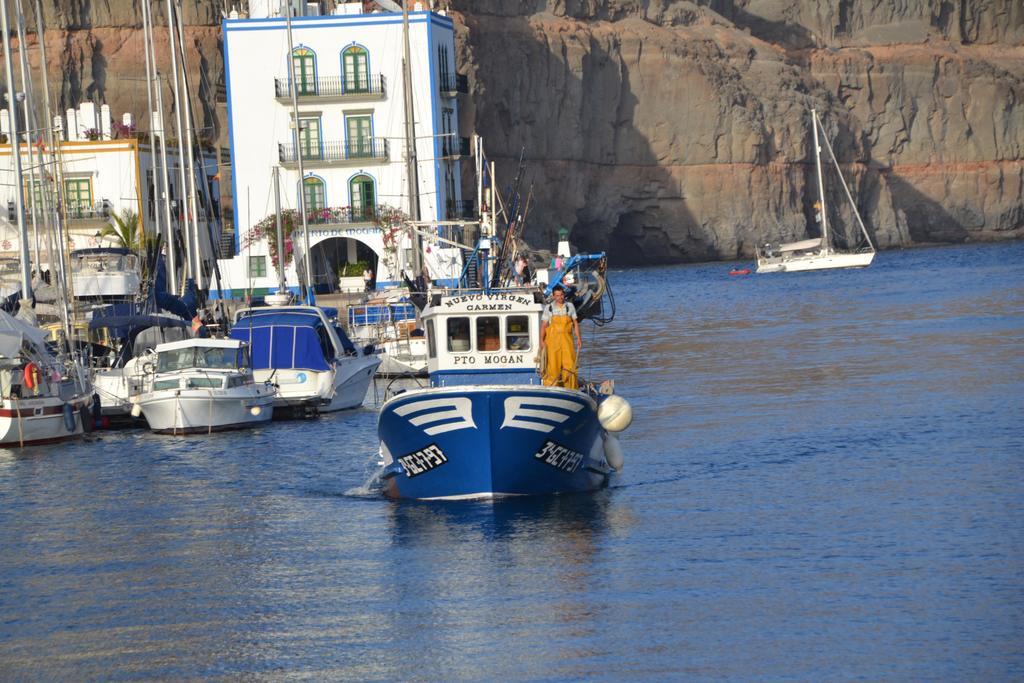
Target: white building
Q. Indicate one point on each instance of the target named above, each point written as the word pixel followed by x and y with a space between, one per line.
pixel 102 177
pixel 347 68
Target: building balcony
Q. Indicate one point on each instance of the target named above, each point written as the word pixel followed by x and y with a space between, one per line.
pixel 464 210
pixel 333 89
pixel 454 148
pixel 341 215
pixel 335 154
pixel 89 214
pixel 452 84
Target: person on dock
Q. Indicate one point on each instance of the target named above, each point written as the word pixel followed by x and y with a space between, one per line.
pixel 558 326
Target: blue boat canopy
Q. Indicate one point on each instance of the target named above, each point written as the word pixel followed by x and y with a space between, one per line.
pixel 285 340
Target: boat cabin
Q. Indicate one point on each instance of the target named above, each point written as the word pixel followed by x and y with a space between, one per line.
pixel 483 338
pixel 201 363
pixel 105 272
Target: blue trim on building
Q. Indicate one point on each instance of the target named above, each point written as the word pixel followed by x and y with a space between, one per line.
pixel 335 20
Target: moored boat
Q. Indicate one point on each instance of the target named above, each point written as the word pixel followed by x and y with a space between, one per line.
pixel 306 354
pixel 817 253
pixel 38 403
pixel 203 386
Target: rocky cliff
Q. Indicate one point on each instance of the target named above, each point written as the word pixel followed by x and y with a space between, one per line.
pixel 677 131
pixel 674 131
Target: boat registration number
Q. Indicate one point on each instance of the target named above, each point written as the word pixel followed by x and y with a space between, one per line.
pixel 423 460
pixel 559 457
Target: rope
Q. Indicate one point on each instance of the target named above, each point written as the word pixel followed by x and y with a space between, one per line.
pixel 17 411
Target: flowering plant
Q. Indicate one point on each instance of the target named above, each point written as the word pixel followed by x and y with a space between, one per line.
pixel 119 130
pixel 389 219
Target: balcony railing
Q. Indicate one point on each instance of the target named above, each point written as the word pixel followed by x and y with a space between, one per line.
pixel 341 215
pixel 88 212
pixel 333 86
pixel 452 83
pixel 461 210
pixel 453 148
pixel 335 153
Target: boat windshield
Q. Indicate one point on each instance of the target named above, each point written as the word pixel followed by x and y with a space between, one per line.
pixel 216 358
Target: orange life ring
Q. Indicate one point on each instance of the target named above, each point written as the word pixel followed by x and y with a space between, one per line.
pixel 31 375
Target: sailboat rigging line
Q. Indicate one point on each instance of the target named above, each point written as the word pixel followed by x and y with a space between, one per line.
pixel 842 181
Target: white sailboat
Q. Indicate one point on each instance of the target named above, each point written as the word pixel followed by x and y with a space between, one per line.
pixel 817 253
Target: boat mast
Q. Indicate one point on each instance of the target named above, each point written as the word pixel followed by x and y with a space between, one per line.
pixel 412 175
pixel 307 261
pixel 181 142
pixel 19 200
pixel 150 68
pixel 160 131
pixel 826 248
pixel 280 233
pixel 50 211
pixel 35 189
pixel 57 234
pixel 197 268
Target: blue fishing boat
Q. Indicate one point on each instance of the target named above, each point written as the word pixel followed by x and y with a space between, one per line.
pixel 492 421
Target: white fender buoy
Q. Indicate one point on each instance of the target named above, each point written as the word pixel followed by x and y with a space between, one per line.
pixel 136 410
pixel 615 413
pixel 613 452
pixel 255 410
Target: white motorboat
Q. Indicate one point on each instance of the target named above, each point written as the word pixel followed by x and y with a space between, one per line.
pixel 305 353
pixel 817 253
pixel 203 386
pixel 38 402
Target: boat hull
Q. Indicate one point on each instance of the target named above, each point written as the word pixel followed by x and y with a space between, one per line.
pixel 33 421
pixel 816 262
pixel 197 411
pixel 486 442
pixel 340 388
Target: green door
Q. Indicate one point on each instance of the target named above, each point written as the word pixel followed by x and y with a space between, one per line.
pixel 304 71
pixel 78 195
pixel 314 195
pixel 364 198
pixel 356 68
pixel 360 140
pixel 310 140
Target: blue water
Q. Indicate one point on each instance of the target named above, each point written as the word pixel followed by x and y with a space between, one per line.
pixel 824 481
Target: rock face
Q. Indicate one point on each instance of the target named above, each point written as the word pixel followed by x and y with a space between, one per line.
pixel 674 131
pixel 668 130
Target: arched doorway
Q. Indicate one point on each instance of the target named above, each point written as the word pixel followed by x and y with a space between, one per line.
pixel 341 257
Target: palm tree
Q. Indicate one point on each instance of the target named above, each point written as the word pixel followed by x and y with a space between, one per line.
pixel 125 230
